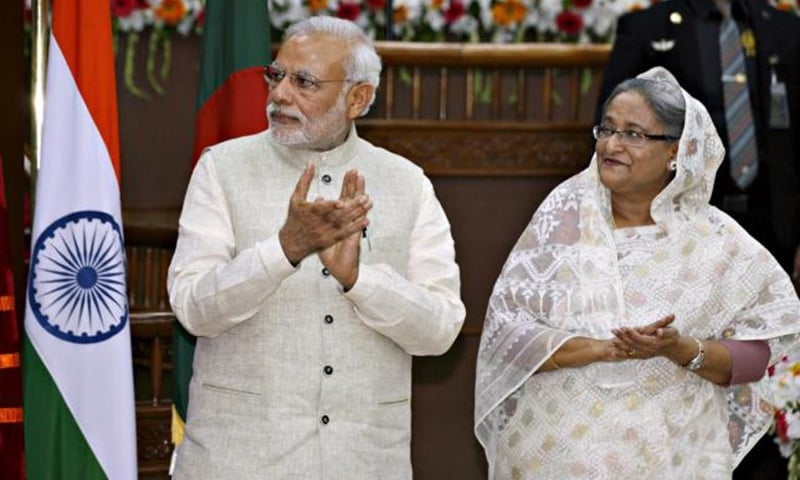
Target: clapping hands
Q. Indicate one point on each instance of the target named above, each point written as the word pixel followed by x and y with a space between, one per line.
pixel 652 340
pixel 331 228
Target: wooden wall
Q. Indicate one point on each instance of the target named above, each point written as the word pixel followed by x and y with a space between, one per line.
pixel 495 128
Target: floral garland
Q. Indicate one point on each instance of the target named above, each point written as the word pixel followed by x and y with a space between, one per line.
pixel 165 18
pixel 497 21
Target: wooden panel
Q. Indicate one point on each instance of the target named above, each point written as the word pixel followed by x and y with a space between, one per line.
pixel 489 55
pixel 467 149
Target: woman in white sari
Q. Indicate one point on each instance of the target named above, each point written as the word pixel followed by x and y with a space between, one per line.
pixel 630 329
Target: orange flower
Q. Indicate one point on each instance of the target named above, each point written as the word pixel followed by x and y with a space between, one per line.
pixel 317 5
pixel 400 14
pixel 171 12
pixel 437 4
pixel 508 12
pixel 785 6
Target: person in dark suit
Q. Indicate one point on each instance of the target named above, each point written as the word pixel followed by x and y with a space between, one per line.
pixel 683 37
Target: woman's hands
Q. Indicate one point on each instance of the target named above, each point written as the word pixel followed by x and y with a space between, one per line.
pixel 660 339
pixel 657 339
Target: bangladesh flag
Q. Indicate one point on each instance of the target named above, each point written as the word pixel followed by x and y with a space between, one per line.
pixel 77 370
pixel 232 101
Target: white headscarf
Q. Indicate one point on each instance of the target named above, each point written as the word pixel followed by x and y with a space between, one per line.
pixel 565 277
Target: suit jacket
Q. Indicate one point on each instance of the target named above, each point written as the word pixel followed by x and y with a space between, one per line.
pixel 681 36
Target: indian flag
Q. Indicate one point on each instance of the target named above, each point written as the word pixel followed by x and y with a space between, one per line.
pixel 78 379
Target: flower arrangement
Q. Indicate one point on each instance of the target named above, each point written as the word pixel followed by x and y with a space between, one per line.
pixel 497 21
pixel 784 381
pixel 165 18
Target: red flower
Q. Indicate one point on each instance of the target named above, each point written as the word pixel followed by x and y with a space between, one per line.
pixel 569 23
pixel 781 426
pixel 376 5
pixel 454 11
pixel 582 3
pixel 123 8
pixel 348 11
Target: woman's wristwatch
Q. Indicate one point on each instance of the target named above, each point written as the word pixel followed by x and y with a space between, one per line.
pixel 697 362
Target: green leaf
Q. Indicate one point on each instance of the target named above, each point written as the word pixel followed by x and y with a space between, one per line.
pixel 586 80
pixel 128 67
pixel 152 47
pixel 405 76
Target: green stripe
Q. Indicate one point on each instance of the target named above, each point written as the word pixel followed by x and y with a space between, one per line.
pixel 55 448
pixel 182 355
pixel 235 36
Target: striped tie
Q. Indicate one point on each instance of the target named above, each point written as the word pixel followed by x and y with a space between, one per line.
pixel 738 115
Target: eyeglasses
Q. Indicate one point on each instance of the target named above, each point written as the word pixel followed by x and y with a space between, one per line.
pixel 628 137
pixel 302 81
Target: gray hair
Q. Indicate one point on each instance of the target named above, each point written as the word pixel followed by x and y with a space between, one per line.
pixel 364 64
pixel 664 98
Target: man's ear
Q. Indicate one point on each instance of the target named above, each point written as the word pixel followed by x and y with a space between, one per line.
pixel 358 98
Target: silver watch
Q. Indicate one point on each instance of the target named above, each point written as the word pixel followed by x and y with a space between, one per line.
pixel 697 362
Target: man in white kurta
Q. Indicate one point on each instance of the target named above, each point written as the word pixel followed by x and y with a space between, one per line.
pixel 300 373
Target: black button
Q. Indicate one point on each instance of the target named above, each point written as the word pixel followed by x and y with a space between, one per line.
pixel 325 419
pixel 328 370
pixel 326 178
pixel 325 272
pixel 328 319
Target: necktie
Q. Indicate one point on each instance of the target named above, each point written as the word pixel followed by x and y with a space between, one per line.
pixel 738 114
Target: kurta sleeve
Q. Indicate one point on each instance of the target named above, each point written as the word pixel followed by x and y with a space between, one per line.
pixel 211 288
pixel 422 312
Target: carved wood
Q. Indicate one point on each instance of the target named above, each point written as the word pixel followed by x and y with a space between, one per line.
pixel 153 438
pixel 493 55
pixel 464 149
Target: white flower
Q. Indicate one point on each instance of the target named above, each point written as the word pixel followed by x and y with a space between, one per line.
pixel 548 11
pixel 136 21
pixel 283 13
pixel 600 17
pixel 466 25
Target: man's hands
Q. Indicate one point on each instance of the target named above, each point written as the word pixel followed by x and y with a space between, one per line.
pixel 341 258
pixel 331 228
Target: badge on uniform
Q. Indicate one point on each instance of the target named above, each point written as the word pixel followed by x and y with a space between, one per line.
pixel 749 43
pixel 778 103
pixel 662 45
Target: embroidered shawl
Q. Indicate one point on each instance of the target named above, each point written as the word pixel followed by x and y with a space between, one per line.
pixel 572 274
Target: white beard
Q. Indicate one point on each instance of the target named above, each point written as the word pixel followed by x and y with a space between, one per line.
pixel 323 133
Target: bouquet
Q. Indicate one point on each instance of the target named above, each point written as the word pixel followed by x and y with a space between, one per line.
pixel 784 380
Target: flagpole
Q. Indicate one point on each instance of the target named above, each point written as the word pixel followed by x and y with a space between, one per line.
pixel 39 10
pixel 389 9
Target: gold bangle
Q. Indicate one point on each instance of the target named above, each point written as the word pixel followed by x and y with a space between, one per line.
pixel 552 360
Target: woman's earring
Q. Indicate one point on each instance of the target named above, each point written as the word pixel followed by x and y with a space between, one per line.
pixel 673 165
